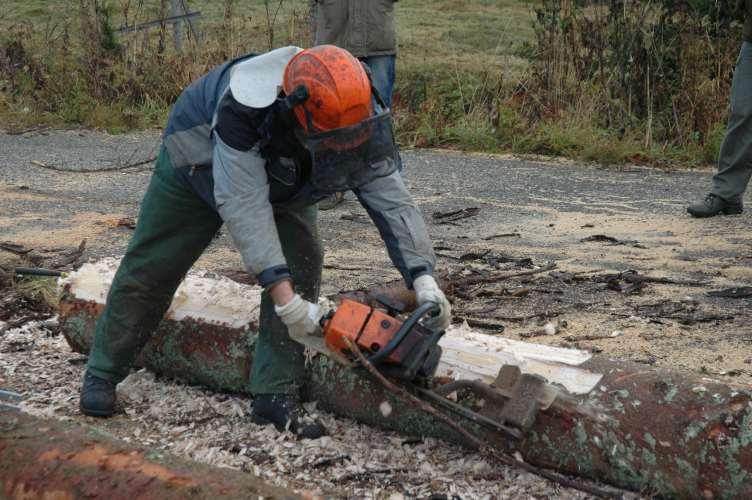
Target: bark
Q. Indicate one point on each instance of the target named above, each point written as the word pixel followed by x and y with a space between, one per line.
pixel 665 433
pixel 61 460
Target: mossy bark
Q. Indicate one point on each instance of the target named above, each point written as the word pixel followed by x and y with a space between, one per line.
pixel 670 434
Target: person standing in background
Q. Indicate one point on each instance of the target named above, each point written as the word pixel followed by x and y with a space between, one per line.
pixel 735 159
pixel 365 28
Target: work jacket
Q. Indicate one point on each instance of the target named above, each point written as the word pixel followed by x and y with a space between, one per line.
pixel 226 137
pixel 363 27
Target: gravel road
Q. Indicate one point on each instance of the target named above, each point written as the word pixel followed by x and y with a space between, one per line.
pixel 541 210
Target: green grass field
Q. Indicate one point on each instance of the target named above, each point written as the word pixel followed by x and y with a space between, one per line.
pixel 448 39
pixel 459 73
pixel 469 34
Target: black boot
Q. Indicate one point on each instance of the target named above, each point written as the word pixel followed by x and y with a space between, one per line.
pixel 713 205
pixel 97 396
pixel 331 201
pixel 286 412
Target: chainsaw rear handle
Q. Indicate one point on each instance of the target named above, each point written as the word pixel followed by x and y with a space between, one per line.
pixel 428 308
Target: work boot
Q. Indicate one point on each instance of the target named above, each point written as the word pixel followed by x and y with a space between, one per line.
pixel 97 396
pixel 286 412
pixel 713 205
pixel 331 201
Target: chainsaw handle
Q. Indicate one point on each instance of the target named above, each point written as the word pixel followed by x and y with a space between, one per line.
pixel 410 322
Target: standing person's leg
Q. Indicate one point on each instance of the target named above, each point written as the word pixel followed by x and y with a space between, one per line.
pixel 278 362
pixel 174 227
pixel 382 75
pixel 735 159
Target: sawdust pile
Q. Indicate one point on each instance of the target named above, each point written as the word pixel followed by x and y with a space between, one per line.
pixel 194 422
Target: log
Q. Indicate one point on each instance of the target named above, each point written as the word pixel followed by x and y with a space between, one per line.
pixel 664 433
pixel 53 459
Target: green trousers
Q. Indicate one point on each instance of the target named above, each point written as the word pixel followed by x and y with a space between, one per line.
pixel 173 229
pixel 735 159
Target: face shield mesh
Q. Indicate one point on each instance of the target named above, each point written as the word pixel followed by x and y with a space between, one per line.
pixel 349 157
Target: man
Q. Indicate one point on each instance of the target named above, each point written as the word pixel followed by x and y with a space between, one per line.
pixel 238 149
pixel 365 28
pixel 735 159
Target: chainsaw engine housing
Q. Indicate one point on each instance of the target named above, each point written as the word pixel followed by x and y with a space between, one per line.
pixel 415 355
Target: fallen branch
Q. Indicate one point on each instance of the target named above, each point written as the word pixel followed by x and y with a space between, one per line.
pixel 602 238
pixel 406 396
pixel 475 280
pixel 352 476
pixel 526 317
pixel 344 268
pixel 455 215
pixel 732 293
pixel 327 461
pixel 632 276
pixel 575 338
pixel 90 170
pixel 503 235
pixel 359 218
pixel 481 323
pixel 14 248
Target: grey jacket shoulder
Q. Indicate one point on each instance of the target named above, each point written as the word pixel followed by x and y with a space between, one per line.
pixel 363 27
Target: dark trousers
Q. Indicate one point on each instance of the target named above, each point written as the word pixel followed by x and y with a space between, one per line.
pixel 174 227
pixel 735 159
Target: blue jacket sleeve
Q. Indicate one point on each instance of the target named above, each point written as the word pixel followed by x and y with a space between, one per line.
pixel 400 224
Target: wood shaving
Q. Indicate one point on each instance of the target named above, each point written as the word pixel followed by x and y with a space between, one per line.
pixel 213 428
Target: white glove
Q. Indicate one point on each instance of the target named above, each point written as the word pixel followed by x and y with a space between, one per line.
pixel 427 290
pixel 301 317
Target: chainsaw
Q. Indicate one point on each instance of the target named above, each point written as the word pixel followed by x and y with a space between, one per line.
pixel 403 349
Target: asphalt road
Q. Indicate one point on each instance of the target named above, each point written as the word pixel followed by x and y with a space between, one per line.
pixel 510 192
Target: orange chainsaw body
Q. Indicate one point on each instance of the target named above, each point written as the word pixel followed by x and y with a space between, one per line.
pixel 372 329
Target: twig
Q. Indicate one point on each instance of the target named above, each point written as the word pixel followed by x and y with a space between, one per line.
pixel 86 171
pixel 635 277
pixel 452 217
pixel 359 218
pixel 327 461
pixel 344 268
pixel 384 470
pixel 474 441
pixel 498 277
pixel 481 323
pixel 503 235
pixel 546 314
pixel 576 338
pixel 26 130
pixel 14 248
pixel 447 256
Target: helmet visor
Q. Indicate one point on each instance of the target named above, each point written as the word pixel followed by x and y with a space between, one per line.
pixel 350 157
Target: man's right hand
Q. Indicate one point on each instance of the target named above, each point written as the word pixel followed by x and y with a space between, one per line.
pixel 301 317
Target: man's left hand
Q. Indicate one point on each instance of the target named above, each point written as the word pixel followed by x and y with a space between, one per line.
pixel 427 290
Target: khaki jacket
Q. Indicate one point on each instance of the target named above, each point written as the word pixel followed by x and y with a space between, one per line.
pixel 363 27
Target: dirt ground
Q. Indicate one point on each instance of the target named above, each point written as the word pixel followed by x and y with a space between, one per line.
pixel 613 235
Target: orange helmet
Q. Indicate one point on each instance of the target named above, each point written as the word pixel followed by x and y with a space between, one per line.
pixel 339 91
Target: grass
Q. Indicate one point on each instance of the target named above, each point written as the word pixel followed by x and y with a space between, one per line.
pixel 459 71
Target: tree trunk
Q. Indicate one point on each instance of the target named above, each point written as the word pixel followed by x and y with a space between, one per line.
pixel 672 434
pixel 61 460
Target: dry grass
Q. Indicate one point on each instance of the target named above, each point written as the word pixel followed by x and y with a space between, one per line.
pixel 464 77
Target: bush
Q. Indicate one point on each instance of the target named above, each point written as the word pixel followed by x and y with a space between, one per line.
pixel 658 67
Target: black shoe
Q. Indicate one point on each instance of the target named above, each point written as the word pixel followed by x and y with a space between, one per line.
pixel 286 413
pixel 97 396
pixel 713 205
pixel 331 201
